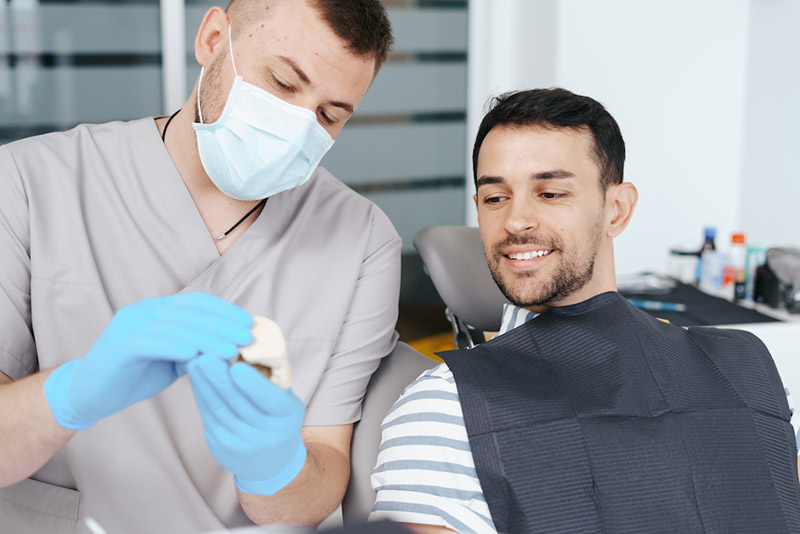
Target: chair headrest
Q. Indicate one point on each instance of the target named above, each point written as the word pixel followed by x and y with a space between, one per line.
pixel 454 259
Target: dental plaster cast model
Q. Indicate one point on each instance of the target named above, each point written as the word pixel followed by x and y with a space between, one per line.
pixel 267 352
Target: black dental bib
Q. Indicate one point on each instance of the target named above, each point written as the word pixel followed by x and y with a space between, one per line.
pixel 599 418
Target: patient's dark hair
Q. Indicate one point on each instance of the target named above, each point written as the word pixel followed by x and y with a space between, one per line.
pixel 559 108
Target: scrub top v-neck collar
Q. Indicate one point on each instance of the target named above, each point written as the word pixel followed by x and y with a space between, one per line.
pixel 174 199
pixel 186 242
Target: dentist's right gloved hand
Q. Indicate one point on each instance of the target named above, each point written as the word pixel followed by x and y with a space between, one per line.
pixel 253 428
pixel 142 351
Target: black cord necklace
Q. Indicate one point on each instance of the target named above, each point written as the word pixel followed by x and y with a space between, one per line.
pixel 221 236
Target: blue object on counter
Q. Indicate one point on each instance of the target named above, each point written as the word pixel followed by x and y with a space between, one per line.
pixel 657 305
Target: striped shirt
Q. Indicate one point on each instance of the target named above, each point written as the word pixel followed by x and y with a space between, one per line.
pixel 425 472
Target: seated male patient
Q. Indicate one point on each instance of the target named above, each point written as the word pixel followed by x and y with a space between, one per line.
pixel 584 414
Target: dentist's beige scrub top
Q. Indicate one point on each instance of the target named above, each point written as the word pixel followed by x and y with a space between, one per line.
pixel 97 218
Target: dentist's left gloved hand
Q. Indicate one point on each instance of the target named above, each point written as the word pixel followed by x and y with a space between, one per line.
pixel 141 352
pixel 252 426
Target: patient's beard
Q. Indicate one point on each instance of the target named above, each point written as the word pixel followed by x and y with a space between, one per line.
pixel 569 271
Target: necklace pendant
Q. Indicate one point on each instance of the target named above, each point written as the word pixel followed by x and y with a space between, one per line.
pixel 248 214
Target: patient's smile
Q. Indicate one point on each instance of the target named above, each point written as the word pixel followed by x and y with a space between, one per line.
pixel 528 255
pixel 522 258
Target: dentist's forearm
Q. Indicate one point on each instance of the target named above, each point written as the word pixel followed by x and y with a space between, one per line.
pixel 311 497
pixel 29 434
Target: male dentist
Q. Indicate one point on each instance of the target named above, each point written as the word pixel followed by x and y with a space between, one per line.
pixel 137 252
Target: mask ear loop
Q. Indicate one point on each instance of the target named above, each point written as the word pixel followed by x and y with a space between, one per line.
pixel 230 48
pixel 199 85
pixel 202 70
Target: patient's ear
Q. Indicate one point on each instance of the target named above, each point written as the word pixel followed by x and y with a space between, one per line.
pixel 621 200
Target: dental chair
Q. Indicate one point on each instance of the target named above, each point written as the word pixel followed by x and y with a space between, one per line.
pixel 454 259
pixel 396 371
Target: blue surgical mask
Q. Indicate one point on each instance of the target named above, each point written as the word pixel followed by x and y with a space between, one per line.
pixel 260 145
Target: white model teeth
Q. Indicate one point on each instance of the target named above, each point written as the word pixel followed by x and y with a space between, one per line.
pixel 529 255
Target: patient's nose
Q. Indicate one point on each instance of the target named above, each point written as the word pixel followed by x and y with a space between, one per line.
pixel 522 217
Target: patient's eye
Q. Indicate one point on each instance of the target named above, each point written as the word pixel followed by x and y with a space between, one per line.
pixel 496 199
pixel 551 195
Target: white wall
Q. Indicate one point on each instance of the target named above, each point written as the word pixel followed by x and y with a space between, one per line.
pixel 770 203
pixel 692 87
pixel 507 38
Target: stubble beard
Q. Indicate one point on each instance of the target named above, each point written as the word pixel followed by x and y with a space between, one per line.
pixel 526 289
pixel 212 96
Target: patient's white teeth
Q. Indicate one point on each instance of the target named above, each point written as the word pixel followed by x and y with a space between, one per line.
pixel 529 255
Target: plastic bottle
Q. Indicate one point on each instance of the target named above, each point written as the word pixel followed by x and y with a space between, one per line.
pixel 713 264
pixel 733 277
pixel 708 245
pixel 756 257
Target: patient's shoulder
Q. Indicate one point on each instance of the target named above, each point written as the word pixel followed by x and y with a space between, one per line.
pixel 440 372
pixel 439 378
pixel 432 396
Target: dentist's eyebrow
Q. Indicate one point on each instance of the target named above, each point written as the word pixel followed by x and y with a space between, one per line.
pixel 350 108
pixel 344 105
pixel 296 68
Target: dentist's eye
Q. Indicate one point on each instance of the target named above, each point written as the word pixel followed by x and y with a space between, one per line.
pixel 283 86
pixel 552 196
pixel 325 117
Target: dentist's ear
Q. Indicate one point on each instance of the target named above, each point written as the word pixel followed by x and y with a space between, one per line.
pixel 621 200
pixel 211 35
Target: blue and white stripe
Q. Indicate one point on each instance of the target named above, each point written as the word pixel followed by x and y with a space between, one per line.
pixel 514 317
pixel 425 472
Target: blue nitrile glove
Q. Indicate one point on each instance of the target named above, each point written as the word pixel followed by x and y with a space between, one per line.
pixel 137 354
pixel 252 426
